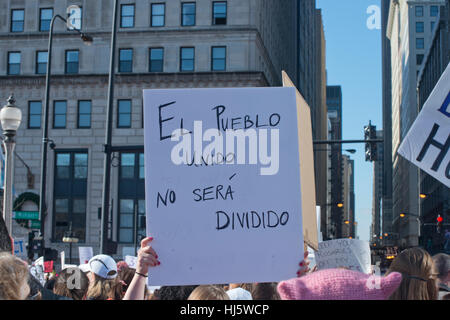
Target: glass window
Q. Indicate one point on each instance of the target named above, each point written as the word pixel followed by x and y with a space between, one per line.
pixel 63 165
pixel 218 61
pixel 432 25
pixel 60 112
pixel 45 18
pixel 156 60
pixel 127 165
pixel 434 11
pixel 158 14
pixel 419 11
pixel 34 114
pixel 219 13
pixel 17 20
pixel 420 27
pixel 188 14
pixel 72 61
pixel 74 18
pixel 14 63
pixel 80 165
pixel 41 62
pixel 141 166
pixel 124 114
pixel 84 113
pixel 127 16
pixel 419 59
pixel 420 43
pixel 187 59
pixel 126 60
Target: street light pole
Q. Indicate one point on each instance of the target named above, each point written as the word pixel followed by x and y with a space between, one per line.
pixel 10 117
pixel 42 194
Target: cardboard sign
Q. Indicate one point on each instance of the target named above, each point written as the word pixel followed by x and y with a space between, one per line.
pixel 344 253
pixel 222 176
pixel 427 143
pixel 131 261
pixel 20 248
pixel 305 146
pixel 85 254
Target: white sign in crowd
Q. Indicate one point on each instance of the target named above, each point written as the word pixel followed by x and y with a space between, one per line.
pixel 428 141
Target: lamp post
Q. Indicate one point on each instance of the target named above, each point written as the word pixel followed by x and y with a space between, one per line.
pixel 42 207
pixel 10 117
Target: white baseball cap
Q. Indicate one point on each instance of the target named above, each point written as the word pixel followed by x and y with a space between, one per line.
pixel 239 294
pixel 104 266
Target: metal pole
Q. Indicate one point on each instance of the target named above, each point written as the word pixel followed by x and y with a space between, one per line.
pixel 9 145
pixel 108 138
pixel 346 141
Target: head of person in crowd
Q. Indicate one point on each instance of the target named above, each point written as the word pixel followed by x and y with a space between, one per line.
pixel 419 281
pixel 239 294
pixel 265 291
pixel 103 281
pixel 72 283
pixel 442 264
pixel 245 286
pixel 339 284
pixel 50 284
pixel 173 293
pixel 208 292
pixel 14 277
pixel 125 275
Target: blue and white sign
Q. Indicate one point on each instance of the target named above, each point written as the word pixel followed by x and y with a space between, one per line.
pixel 427 143
pixel 20 248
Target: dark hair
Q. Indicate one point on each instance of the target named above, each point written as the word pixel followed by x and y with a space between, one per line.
pixel 265 291
pixel 50 284
pixel 126 275
pixel 442 263
pixel 72 283
pixel 173 292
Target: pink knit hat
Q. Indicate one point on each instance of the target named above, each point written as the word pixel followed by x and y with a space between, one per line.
pixel 339 284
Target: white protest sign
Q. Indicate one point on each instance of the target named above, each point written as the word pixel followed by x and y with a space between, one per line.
pixel 344 253
pixel 131 261
pixel 427 143
pixel 222 187
pixel 37 270
pixel 20 248
pixel 128 251
pixel 63 260
pixel 85 254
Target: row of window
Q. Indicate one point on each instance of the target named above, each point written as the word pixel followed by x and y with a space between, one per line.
pixel 156 60
pixel 420 27
pixel 84 114
pixel 127 16
pixel 70 194
pixel 434 11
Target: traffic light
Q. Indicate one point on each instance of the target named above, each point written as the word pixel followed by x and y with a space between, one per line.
pixel 439 223
pixel 370 133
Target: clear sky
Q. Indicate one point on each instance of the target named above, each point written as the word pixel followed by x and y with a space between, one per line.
pixel 353 54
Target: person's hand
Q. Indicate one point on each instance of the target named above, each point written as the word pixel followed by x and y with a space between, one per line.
pixel 147 257
pixel 304 266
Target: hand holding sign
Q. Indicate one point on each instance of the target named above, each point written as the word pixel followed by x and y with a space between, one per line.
pixel 147 257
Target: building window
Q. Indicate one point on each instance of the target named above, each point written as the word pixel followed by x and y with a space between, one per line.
pixel 420 43
pixel 187 62
pixel 420 27
pixel 419 59
pixel 127 16
pixel 432 26
pixel 126 60
pixel 45 18
pixel 60 113
pixel 124 114
pixel 14 63
pixel 158 14
pixel 70 190
pixel 419 11
pixel 84 114
pixel 17 20
pixel 74 18
pixel 72 61
pixel 218 58
pixel 188 14
pixel 41 62
pixel 34 114
pixel 131 197
pixel 434 11
pixel 219 13
pixel 156 60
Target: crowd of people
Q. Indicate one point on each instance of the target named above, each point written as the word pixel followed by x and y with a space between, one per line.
pixel 413 275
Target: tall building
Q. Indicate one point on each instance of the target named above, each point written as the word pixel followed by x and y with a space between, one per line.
pixel 409 29
pixel 163 44
pixel 334 105
pixel 436 195
pixel 376 228
pixel 386 216
pixel 348 187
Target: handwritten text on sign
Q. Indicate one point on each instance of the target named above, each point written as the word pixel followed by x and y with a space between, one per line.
pixel 344 253
pixel 223 185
